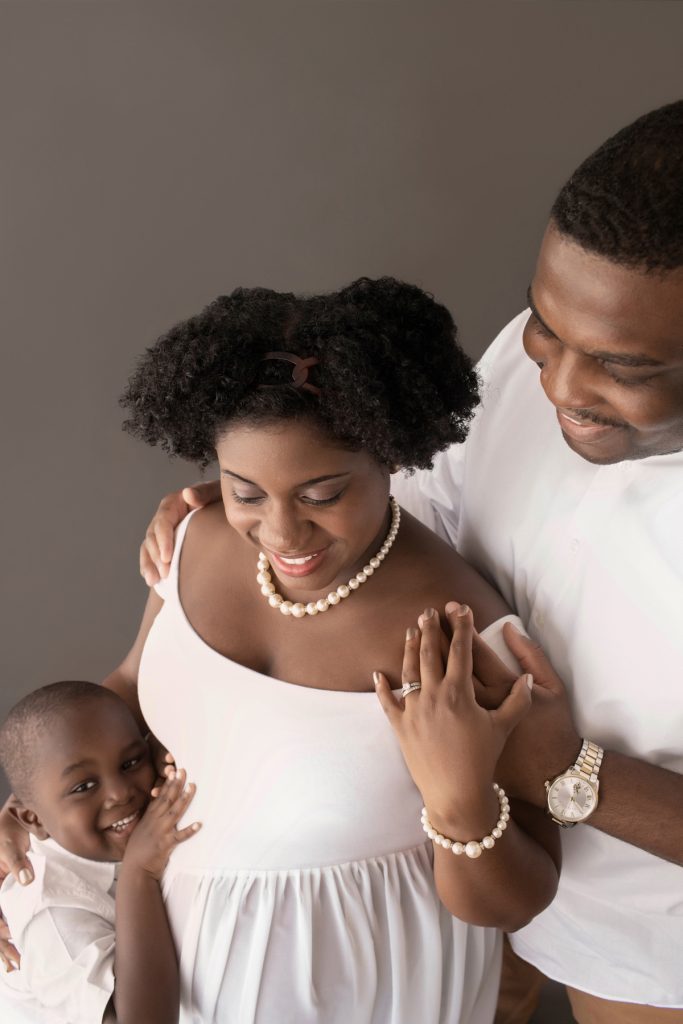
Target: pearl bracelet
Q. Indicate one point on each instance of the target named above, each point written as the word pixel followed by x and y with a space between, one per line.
pixel 474 848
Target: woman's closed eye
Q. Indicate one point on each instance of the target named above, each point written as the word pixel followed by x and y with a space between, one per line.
pixel 243 499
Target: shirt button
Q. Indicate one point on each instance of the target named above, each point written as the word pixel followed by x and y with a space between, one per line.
pixel 575 544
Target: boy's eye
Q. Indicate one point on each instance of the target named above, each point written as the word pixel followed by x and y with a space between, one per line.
pixel 84 787
pixel 132 762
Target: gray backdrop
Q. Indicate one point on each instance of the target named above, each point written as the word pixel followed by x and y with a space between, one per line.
pixel 156 154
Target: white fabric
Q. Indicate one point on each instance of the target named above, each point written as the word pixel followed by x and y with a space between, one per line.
pixel 591 557
pixel 63 926
pixel 308 896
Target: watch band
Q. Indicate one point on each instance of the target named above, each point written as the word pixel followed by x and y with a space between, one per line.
pixel 589 760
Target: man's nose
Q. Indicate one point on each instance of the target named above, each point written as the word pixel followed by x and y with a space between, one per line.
pixel 567 379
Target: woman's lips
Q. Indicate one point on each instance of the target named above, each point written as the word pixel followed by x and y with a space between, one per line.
pixel 297 565
pixel 584 430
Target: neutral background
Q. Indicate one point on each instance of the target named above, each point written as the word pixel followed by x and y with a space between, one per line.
pixel 154 155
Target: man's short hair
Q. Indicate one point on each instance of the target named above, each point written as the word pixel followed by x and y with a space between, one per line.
pixel 625 201
pixel 29 720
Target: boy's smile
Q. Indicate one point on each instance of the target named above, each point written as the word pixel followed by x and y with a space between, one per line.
pixel 92 780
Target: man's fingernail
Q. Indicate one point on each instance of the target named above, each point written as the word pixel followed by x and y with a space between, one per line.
pixel 463 610
pixel 25 876
pixel 375 678
pixel 428 613
pixel 452 606
pixel 530 681
pixel 411 633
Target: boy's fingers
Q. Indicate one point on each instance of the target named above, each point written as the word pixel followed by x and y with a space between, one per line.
pixel 390 705
pixel 182 834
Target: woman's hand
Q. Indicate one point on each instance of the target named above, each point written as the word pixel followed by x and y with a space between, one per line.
pixel 157 835
pixel 156 549
pixel 9 956
pixel 451 745
pixel 14 845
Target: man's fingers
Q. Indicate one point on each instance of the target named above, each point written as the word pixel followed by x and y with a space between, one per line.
pixel 532 658
pixel 488 667
pixel 391 706
pixel 202 494
pixel 516 704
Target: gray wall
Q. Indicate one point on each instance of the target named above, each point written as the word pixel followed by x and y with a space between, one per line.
pixel 156 154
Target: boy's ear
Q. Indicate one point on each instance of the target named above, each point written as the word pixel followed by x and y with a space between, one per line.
pixel 28 819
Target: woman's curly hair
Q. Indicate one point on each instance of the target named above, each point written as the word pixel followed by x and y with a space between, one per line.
pixel 391 376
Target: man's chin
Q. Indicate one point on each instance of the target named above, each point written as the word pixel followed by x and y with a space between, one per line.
pixel 597 454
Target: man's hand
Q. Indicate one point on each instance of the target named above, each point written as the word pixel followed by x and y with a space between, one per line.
pixel 545 742
pixel 156 550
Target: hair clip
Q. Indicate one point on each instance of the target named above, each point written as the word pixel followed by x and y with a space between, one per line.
pixel 299 373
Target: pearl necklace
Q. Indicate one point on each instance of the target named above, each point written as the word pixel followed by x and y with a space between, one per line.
pixel 299 610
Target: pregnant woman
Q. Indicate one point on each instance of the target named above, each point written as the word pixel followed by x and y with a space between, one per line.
pixel 312 894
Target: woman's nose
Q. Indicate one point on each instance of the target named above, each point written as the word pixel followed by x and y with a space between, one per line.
pixel 284 530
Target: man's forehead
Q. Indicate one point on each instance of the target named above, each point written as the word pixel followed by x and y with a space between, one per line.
pixel 600 306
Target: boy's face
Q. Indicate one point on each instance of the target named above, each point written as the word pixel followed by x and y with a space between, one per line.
pixel 94 771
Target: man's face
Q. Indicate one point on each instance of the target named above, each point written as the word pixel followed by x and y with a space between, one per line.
pixel 609 344
pixel 92 781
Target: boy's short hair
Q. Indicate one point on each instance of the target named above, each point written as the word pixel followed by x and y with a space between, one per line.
pixel 28 722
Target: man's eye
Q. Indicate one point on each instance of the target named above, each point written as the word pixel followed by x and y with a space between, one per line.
pixel 629 382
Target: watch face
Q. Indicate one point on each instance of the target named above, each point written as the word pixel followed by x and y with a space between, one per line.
pixel 571 798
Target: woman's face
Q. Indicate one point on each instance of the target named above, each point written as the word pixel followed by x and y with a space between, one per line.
pixel 317 510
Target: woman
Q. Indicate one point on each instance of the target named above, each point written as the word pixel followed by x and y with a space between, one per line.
pixel 312 893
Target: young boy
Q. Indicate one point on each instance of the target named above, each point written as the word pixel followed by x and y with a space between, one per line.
pixel 92 930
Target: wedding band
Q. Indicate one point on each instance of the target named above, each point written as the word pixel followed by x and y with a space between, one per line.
pixel 410 688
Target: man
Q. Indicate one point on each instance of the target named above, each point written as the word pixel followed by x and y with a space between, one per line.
pixel 569 497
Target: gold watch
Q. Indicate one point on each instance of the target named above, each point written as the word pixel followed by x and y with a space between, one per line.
pixel 573 795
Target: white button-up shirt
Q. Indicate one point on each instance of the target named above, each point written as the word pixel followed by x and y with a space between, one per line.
pixel 591 558
pixel 63 926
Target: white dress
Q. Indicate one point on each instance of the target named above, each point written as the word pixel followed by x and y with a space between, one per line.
pixel 308 894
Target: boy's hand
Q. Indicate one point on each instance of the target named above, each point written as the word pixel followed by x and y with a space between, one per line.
pixel 157 835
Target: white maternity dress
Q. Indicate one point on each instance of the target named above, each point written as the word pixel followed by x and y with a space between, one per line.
pixel 308 895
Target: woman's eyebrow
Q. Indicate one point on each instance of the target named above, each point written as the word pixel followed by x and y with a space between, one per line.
pixel 304 483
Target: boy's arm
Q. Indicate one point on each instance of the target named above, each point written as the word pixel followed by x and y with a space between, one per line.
pixel 146 966
pixel 147 987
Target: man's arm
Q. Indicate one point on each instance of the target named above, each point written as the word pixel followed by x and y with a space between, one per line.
pixel 640 803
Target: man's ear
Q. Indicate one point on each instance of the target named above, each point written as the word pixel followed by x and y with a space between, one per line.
pixel 28 819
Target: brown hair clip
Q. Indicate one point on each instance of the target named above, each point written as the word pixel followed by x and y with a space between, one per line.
pixel 299 373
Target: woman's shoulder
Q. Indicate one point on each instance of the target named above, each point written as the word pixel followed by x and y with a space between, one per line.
pixel 441 575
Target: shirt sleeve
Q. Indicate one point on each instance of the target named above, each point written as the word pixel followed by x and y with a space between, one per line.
pixel 68 963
